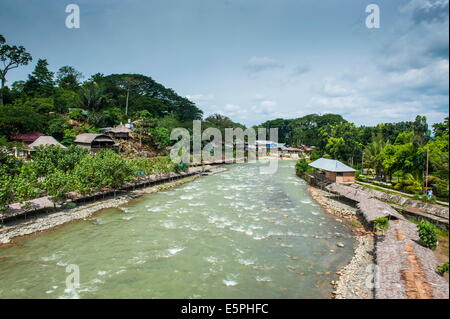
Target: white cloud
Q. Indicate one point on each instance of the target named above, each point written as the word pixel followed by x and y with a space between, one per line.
pixel 259 64
pixel 199 98
pixel 300 70
pixel 406 75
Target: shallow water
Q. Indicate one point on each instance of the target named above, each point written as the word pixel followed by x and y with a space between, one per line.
pixel 237 234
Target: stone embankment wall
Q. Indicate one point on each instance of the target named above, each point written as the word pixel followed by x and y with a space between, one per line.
pixel 433 209
pixel 45 204
pixel 405 269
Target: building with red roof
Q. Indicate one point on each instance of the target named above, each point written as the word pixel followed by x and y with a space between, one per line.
pixel 27 138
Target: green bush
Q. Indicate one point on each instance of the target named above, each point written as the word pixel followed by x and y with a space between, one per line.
pixel 442 269
pixel 6 192
pixel 49 158
pixel 105 169
pixel 150 166
pixel 427 234
pixel 77 114
pixel 381 224
pixel 409 184
pixel 181 167
pixel 57 184
pixel 161 137
pixel 314 155
pixel 302 166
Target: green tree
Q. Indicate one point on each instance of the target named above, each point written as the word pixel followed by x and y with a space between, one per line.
pixel 92 97
pixel 221 122
pixel 161 137
pixel 68 78
pixel 64 99
pixel 284 130
pixel 438 151
pixel 305 130
pixel 56 127
pixel 40 104
pixel 12 57
pixel 57 184
pixel 40 81
pixel 441 129
pixel 20 119
pixel 372 155
pixel 6 192
pixel 105 169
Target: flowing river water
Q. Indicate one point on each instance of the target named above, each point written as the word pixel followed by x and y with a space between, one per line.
pixel 237 234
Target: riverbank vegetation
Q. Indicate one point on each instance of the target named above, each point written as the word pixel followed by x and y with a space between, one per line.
pixel 56 172
pixel 405 156
pixel 63 103
pixel 428 234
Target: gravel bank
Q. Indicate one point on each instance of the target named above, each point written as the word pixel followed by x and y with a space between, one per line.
pixel 43 222
pixel 353 277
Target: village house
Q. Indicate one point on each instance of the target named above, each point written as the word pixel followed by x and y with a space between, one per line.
pixel 24 152
pixel 44 141
pixel 94 142
pixel 119 132
pixel 27 138
pixel 291 152
pixel 335 171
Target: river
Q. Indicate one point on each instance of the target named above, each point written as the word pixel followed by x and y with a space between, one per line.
pixel 236 234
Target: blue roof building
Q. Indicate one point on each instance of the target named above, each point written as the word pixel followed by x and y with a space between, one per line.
pixel 334 170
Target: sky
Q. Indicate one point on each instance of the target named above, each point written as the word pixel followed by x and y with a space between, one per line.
pixel 254 60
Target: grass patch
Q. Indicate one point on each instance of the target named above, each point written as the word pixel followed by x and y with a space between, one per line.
pixel 409 196
pixel 384 190
pixel 356 223
pixel 381 224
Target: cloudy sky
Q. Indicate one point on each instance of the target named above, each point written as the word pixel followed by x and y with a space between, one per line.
pixel 254 60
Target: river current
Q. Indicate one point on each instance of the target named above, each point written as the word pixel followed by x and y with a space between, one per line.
pixel 236 234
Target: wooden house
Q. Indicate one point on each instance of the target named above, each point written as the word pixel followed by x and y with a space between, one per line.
pixel 335 171
pixel 94 142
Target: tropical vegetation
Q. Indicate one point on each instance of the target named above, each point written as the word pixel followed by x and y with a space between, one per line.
pixel 63 103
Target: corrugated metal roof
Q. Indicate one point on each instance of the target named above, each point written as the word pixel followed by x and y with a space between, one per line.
pixel 331 165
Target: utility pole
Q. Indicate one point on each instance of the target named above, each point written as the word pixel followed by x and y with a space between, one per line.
pixel 362 161
pixel 126 104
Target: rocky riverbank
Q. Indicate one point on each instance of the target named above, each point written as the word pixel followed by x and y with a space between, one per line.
pixel 355 278
pixel 19 228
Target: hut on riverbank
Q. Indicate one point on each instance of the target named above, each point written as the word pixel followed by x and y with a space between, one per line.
pixel 335 171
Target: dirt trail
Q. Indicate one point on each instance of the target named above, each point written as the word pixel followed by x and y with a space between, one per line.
pixel 416 284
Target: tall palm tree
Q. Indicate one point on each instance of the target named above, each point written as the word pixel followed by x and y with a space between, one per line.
pixel 91 97
pixel 371 158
